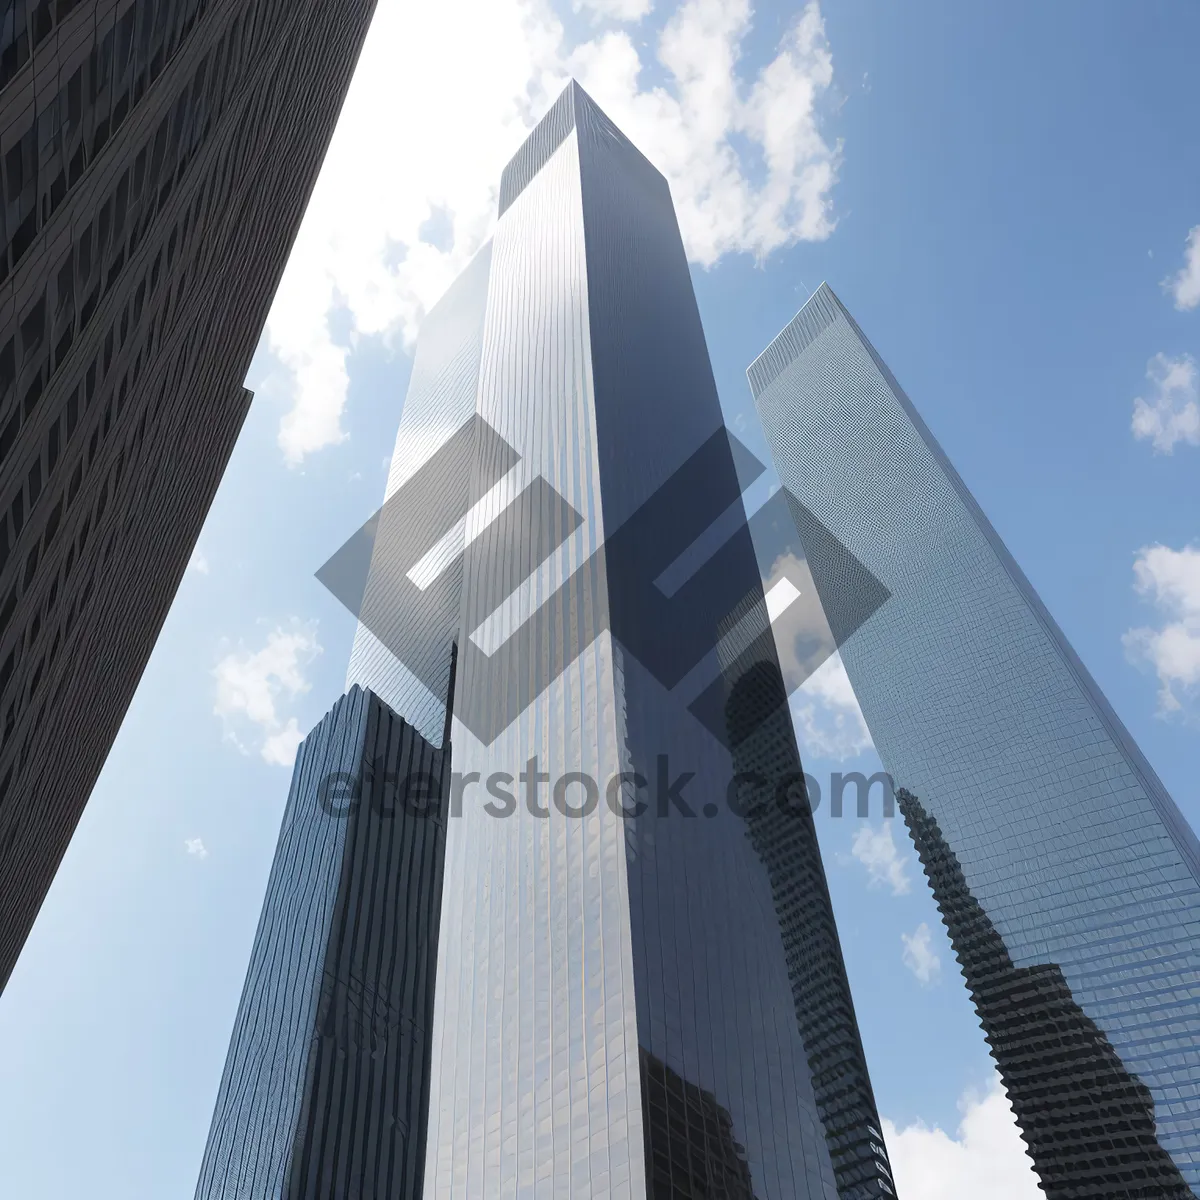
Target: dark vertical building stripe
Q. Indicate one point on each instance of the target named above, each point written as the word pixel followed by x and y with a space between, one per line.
pixel 325 1094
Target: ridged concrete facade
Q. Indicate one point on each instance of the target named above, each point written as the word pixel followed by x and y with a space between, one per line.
pixel 1066 840
pixel 325 1090
pixel 157 157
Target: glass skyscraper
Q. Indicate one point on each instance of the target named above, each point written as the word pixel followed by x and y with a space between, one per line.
pixel 615 1009
pixel 639 988
pixel 325 1090
pixel 1067 878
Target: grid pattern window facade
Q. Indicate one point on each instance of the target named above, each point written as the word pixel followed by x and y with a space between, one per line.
pixel 138 259
pixel 325 1089
pixel 978 706
pixel 615 1014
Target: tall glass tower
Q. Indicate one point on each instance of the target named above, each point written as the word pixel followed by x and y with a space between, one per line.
pixel 1067 878
pixel 639 989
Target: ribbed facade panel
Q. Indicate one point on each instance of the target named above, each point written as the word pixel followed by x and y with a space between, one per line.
pixel 139 259
pixel 325 1090
pixel 978 706
pixel 537 150
pixel 440 401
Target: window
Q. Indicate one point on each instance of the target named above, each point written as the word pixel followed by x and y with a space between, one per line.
pixel 50 164
pixel 43 21
pixel 52 524
pixel 8 373
pixel 73 137
pixel 64 299
pixel 123 68
pixel 100 66
pixel 20 193
pixel 14 40
pixel 33 329
pixel 9 436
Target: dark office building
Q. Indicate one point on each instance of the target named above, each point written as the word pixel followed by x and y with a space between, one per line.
pixel 157 157
pixel 325 1089
pixel 1068 877
pixel 1088 1122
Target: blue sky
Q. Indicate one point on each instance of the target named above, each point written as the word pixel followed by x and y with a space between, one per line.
pixel 1002 194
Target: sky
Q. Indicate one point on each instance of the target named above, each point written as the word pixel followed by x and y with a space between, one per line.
pixel 1006 197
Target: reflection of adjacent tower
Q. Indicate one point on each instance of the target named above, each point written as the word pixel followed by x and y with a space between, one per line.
pixel 692 1148
pixel 1088 1122
pixel 762 742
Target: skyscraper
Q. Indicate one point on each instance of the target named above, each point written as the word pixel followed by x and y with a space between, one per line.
pixel 325 1088
pixel 140 247
pixel 1067 878
pixel 639 987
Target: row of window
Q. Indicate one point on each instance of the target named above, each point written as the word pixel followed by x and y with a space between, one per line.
pixel 72 129
pixel 89 270
pixel 90 528
pixel 62 430
pixel 191 249
pixel 46 333
pixel 26 24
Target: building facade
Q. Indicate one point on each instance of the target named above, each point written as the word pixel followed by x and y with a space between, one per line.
pixel 325 1088
pixel 1088 1122
pixel 1066 875
pixel 139 253
pixel 624 1004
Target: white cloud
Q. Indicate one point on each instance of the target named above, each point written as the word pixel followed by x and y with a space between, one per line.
pixel 250 685
pixel 198 562
pixel 829 723
pixel 986 1160
pixel 877 851
pixel 748 163
pixel 1185 286
pixel 1172 414
pixel 195 847
pixel 615 10
pixel 920 956
pixel 1170 579
pixel 280 748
